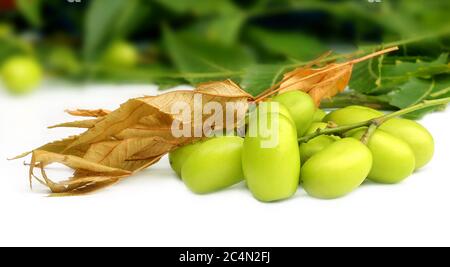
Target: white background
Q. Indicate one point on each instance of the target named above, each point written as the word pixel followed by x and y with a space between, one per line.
pixel 154 208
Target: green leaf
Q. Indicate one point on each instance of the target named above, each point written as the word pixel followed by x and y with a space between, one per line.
pixel 225 28
pixel 199 7
pixel 31 10
pixel 440 90
pixel 412 92
pixel 258 78
pixel 200 60
pixel 419 114
pixel 131 17
pixel 417 69
pixel 107 20
pixel 152 73
pixel 290 44
pixel 366 77
pixel 374 76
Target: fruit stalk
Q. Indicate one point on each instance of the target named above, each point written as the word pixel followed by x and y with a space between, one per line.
pixel 368 134
pixel 353 98
pixel 377 121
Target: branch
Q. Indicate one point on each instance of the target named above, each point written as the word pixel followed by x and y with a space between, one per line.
pixel 377 121
pixel 354 98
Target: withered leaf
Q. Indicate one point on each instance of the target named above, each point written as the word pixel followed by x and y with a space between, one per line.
pixel 88 112
pixel 116 153
pixel 56 147
pixel 122 142
pixel 320 83
pixel 77 124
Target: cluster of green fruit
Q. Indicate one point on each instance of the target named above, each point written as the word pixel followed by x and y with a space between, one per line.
pixel 22 74
pixel 326 166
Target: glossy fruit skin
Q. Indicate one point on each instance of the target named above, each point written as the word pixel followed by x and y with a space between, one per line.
pixel 272 107
pixel 415 135
pixel 21 74
pixel 272 174
pixel 393 159
pixel 216 164
pixel 319 115
pixel 337 170
pixel 178 157
pixel 121 54
pixel 352 114
pixel 301 107
pixel 315 145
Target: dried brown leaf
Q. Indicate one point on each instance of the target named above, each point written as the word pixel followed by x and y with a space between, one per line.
pixel 88 112
pixel 332 80
pixel 55 147
pixel 127 140
pixel 155 111
pixel 320 83
pixel 116 153
pixel 77 124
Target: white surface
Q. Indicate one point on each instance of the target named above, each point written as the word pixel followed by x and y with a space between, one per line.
pixel 154 208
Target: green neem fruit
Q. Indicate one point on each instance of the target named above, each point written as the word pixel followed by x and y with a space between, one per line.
pixel 393 159
pixel 319 115
pixel 315 145
pixel 180 155
pixel 64 60
pixel 415 135
pixel 216 164
pixel 316 126
pixel 21 74
pixel 271 168
pixel 337 170
pixel 352 114
pixel 301 107
pixel 121 54
pixel 271 107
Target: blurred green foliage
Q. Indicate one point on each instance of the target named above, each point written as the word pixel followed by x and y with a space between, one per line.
pixel 252 41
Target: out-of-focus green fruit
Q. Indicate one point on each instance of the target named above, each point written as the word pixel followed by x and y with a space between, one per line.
pixel 272 172
pixel 216 164
pixel 121 54
pixel 178 157
pixel 21 74
pixel 315 145
pixel 64 60
pixel 319 115
pixel 415 135
pixel 352 114
pixel 5 30
pixel 301 107
pixel 393 159
pixel 337 170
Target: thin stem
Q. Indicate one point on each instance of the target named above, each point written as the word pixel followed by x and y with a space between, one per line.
pixel 377 121
pixel 354 98
pixel 369 132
